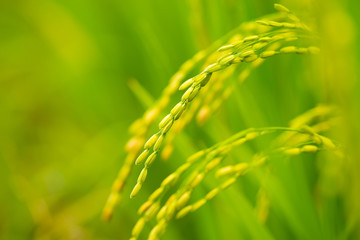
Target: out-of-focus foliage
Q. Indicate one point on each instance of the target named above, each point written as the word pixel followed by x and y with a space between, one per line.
pixel 66 104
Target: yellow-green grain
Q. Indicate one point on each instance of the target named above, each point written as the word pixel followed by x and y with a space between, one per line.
pixel 198 204
pixel 281 8
pixel 212 194
pixel 225 48
pixel 142 176
pixel 150 143
pixel 184 198
pixel 150 159
pixel 224 171
pixel 183 212
pixel 154 196
pixel 293 151
pixel 309 149
pixel 135 190
pixel 290 49
pixel 267 54
pixel 250 58
pixel 138 227
pixel 165 121
pixel 229 182
pixel 186 84
pixel 250 38
pixel 145 206
pixel 169 180
pixel 152 211
pixel 142 157
pixel 196 180
pixel 213 164
pixel 158 143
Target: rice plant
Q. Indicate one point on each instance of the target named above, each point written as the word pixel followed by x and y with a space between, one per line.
pixel 179 119
pixel 250 44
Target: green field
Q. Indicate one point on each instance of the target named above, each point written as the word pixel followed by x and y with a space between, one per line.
pixel 261 141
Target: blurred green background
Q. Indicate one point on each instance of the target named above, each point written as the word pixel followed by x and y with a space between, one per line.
pixel 65 106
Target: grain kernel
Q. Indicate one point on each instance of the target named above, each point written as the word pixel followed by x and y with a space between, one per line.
pixel 197 179
pixel 228 183
pixel 281 8
pixel 156 194
pixel 150 143
pixel 224 171
pixel 225 48
pixel 186 84
pixel 142 157
pixel 135 190
pixel 169 180
pixel 292 151
pixel 142 176
pixel 212 194
pixel 138 227
pixel 158 143
pixel 267 54
pixel 309 149
pixel 165 121
pixel 198 204
pixel 183 212
pixel 150 159
pixel 183 200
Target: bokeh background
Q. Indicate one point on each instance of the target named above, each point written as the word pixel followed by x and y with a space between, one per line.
pixel 67 100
